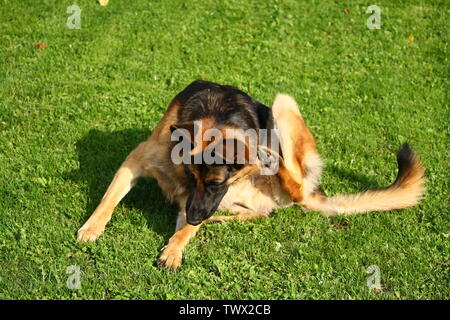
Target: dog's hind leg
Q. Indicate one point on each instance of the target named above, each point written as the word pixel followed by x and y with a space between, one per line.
pixel 125 178
pixel 301 165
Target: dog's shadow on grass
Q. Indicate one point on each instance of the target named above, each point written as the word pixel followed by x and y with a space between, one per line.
pixel 360 182
pixel 100 155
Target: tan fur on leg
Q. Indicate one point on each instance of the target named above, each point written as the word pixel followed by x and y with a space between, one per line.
pixel 173 251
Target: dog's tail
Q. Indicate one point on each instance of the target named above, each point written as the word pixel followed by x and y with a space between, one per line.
pixel 406 191
pixel 302 168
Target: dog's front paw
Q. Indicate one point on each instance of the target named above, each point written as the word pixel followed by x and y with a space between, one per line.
pixel 171 258
pixel 89 233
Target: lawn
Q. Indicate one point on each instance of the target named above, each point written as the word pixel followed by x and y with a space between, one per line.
pixel 73 107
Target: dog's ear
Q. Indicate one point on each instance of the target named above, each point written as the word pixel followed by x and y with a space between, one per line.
pixel 191 132
pixel 187 130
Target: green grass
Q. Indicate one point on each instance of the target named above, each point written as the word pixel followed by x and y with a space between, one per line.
pixel 71 112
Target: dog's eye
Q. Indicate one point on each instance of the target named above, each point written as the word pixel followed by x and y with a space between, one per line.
pixel 214 183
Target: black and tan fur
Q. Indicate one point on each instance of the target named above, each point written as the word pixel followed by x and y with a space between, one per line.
pixel 200 190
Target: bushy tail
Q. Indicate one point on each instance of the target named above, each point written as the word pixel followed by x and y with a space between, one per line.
pixel 406 191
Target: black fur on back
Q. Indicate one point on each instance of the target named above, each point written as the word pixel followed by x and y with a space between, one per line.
pixel 227 105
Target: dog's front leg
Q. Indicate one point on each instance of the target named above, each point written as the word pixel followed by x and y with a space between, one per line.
pixel 172 253
pixel 123 181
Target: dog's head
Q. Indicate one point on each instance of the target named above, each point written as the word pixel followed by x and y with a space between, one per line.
pixel 213 159
pixel 221 127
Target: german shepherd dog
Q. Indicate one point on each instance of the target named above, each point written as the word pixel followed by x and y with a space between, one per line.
pixel 237 185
